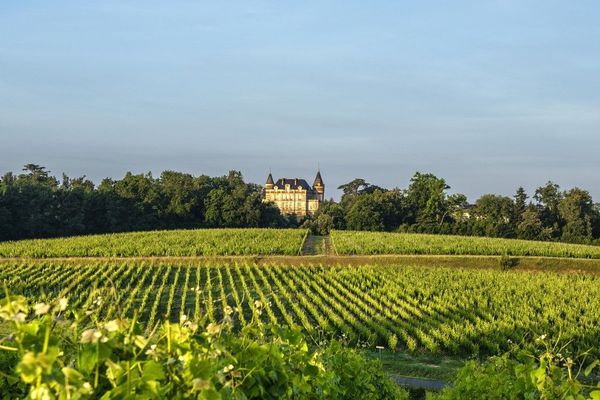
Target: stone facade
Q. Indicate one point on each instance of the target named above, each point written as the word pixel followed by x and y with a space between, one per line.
pixel 295 196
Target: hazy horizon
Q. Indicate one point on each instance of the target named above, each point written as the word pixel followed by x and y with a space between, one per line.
pixel 489 95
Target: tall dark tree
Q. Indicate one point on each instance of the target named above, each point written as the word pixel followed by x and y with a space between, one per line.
pixel 577 212
pixel 182 197
pixel 520 204
pixel 530 226
pixel 335 211
pixel 365 215
pixel 596 221
pixel 549 197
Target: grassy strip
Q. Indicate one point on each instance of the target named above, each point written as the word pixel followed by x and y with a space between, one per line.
pixel 418 365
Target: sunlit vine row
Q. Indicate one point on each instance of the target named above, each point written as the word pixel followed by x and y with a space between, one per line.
pixel 439 310
pixel 349 242
pixel 193 242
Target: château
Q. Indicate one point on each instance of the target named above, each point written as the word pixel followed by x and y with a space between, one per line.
pixel 295 196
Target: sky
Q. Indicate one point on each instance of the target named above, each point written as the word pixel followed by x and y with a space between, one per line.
pixel 489 95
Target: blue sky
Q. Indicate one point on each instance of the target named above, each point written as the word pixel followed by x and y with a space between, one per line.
pixel 489 95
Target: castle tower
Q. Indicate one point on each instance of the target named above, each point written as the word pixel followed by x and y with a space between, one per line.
pixel 269 185
pixel 319 186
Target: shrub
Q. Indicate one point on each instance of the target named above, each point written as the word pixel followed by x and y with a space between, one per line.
pixel 393 341
pixel 507 262
pixel 524 375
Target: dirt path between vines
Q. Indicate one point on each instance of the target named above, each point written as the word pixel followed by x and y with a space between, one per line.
pixel 316 245
pixel 420 383
pixel 313 245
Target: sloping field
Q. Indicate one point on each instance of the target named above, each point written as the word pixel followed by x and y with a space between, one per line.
pixel 434 309
pixel 197 242
pixel 374 243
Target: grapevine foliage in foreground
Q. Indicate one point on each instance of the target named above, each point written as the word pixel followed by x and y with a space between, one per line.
pixel 520 374
pixel 54 352
pixel 347 242
pixel 433 309
pixel 196 242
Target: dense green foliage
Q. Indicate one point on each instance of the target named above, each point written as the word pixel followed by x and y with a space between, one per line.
pixel 426 207
pixel 433 309
pixel 54 352
pixel 34 204
pixel 347 242
pixel 195 242
pixel 546 374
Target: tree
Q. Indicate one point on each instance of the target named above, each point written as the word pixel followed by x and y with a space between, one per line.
pixel 531 227
pixel 520 204
pixel 577 212
pixel 494 215
pixel 35 173
pixel 456 203
pixel 142 193
pixel 181 196
pixel 392 206
pixel 596 221
pixel 353 188
pixel 364 215
pixel 549 196
pixel 6 218
pixel 323 224
pixel 334 210
pixel 426 198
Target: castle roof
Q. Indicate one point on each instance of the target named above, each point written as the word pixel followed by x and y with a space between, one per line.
pixel 294 183
pixel 318 180
pixel 270 179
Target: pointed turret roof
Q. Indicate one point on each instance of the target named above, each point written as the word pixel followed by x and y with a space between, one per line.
pixel 270 179
pixel 318 180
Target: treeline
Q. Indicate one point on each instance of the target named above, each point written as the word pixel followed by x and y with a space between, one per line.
pixel 34 204
pixel 426 207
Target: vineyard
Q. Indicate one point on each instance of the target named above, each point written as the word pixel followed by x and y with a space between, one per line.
pixel 289 242
pixel 437 310
pixel 373 243
pixel 197 242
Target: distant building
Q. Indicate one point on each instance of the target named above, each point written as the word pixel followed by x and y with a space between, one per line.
pixel 464 212
pixel 295 196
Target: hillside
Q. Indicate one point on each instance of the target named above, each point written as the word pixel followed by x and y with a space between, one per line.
pixel 421 299
pixel 434 309
pixel 196 242
pixel 288 242
pixel 373 243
